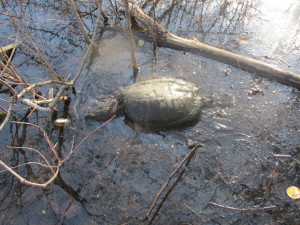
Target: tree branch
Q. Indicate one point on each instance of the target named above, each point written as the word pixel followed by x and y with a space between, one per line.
pixel 166 39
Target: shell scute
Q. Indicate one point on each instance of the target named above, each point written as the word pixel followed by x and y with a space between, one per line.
pixel 162 102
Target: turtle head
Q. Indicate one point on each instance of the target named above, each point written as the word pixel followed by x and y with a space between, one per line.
pixel 104 108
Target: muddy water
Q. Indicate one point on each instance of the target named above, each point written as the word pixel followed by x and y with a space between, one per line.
pixel 249 125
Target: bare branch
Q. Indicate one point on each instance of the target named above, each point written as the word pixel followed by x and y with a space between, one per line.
pixel 84 139
pixel 45 136
pixel 28 89
pixel 11 74
pixel 36 151
pixel 24 181
pixel 81 25
pixel 159 193
pixel 30 163
pixel 14 93
pixel 91 44
pixel 55 173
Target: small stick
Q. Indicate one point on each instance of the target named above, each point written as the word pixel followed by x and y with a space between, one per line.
pixel 239 209
pixel 188 156
pixel 282 155
pixel 272 176
pixel 52 147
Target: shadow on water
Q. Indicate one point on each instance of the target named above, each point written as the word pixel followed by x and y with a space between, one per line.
pixel 250 132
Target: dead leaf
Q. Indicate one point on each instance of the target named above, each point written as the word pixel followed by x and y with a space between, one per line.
pixel 293 192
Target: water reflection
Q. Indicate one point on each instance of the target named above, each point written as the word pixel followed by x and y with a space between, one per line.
pixel 277 29
pixel 200 18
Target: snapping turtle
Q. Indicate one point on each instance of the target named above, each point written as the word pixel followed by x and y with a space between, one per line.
pixel 158 103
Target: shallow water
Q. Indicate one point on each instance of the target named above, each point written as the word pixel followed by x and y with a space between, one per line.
pixel 115 175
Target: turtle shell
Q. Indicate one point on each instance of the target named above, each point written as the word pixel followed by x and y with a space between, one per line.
pixel 162 102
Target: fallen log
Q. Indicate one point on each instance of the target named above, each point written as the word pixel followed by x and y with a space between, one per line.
pixel 242 62
pixel 163 38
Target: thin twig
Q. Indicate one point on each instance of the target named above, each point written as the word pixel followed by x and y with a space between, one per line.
pixel 81 25
pixel 24 181
pixel 28 89
pixel 130 38
pixel 9 59
pixel 57 96
pixel 91 43
pixel 191 153
pixel 84 139
pixel 10 15
pixel 4 122
pixel 35 46
pixel 13 92
pixel 35 106
pixel 196 213
pixel 35 51
pixel 168 192
pixel 36 151
pixel 239 209
pixel 30 163
pixel 271 178
pixel 52 147
pixel 45 136
pixel 53 102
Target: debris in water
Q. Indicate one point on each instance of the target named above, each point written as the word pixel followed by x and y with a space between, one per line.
pixel 293 192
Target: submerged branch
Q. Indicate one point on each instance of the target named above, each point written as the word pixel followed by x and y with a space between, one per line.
pixel 159 193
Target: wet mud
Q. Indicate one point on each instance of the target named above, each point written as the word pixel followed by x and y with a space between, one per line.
pixel 250 128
